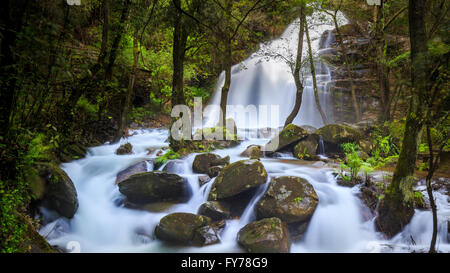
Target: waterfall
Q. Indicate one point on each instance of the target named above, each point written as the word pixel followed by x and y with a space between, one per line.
pixel 321 146
pixel 265 78
pixel 103 224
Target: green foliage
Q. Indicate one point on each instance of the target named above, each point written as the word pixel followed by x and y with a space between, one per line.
pixel 352 161
pixel 170 155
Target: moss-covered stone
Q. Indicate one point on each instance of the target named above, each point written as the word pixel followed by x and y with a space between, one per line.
pixel 307 148
pixel 292 199
pixel 203 162
pixel 269 235
pixel 125 149
pixel 214 171
pixel 339 133
pixel 215 210
pixel 60 193
pixel 180 228
pixel 290 135
pixel 253 152
pixel 237 178
pixel 155 186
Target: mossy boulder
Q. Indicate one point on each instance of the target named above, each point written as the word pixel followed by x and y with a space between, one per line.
pixel 215 210
pixel 60 193
pixel 307 148
pixel 290 135
pixel 141 167
pixel 174 166
pixel 253 152
pixel 339 133
pixel 203 162
pixel 208 235
pixel 269 235
pixel 237 178
pixel 155 186
pixel 125 149
pixel 214 171
pixel 292 199
pixel 180 228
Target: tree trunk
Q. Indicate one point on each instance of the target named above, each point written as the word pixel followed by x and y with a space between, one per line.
pixel 117 39
pixel 126 108
pixel 347 69
pixel 179 52
pixel 296 72
pixel 394 203
pixel 105 29
pixel 228 62
pixel 382 69
pixel 12 14
pixel 313 74
pixel 432 167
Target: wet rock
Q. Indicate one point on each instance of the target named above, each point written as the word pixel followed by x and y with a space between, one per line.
pixel 125 149
pixel 60 193
pixel 297 230
pixel 350 183
pixel 393 216
pixel 205 236
pixel 253 152
pixel 309 129
pixel 337 134
pixel 202 162
pixel 154 207
pixel 307 148
pixel 237 178
pixel 203 179
pixel 174 166
pixel 141 167
pixel 221 162
pixel 266 236
pixel 180 228
pixel 214 171
pixel 155 186
pixel 215 210
pixel 292 199
pixel 290 135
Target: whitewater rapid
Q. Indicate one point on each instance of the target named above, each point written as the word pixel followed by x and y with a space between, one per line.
pixel 103 224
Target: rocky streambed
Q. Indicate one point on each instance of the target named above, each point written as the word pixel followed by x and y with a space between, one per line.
pixel 229 200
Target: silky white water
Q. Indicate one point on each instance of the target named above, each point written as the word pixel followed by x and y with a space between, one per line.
pixel 265 79
pixel 339 224
pixel 102 225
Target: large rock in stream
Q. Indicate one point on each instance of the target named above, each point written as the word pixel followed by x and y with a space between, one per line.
pixel 307 148
pixel 266 236
pixel 292 199
pixel 186 229
pixel 155 186
pixel 237 178
pixel 215 210
pixel 59 193
pixel 290 135
pixel 336 134
pixel 203 162
pixel 141 167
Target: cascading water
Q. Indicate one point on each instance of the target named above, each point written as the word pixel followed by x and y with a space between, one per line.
pixel 103 224
pixel 265 78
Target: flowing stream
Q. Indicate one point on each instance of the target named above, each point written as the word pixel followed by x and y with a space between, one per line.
pixel 340 223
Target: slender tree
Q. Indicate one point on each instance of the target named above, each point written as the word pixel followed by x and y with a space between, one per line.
pixel 396 209
pixel 297 68
pixel 313 74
